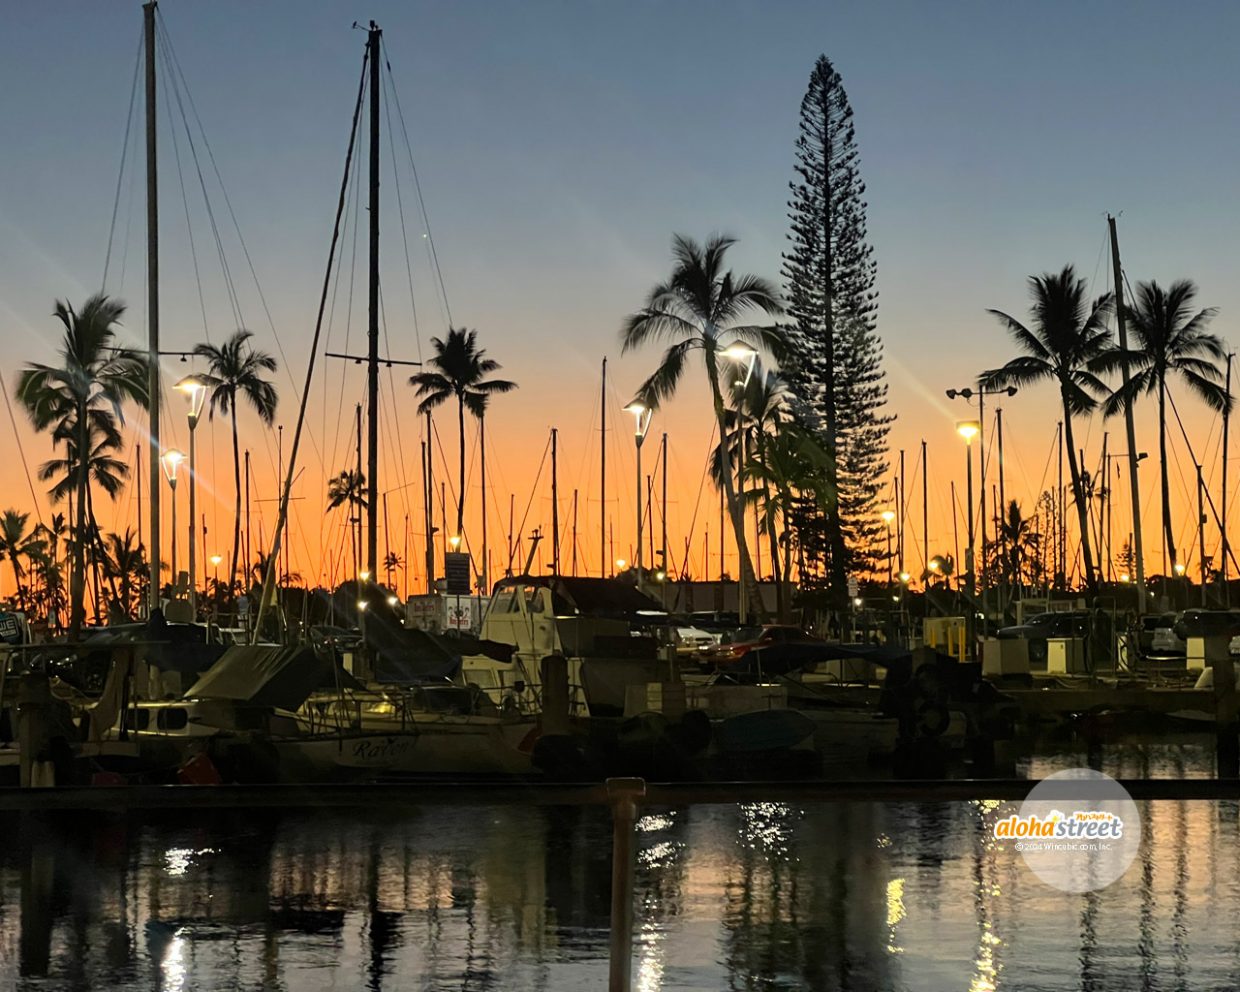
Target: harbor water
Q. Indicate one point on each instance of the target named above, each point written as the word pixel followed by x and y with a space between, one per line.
pixel 757 896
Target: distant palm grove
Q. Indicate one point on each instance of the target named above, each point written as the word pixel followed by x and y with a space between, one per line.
pixel 798 399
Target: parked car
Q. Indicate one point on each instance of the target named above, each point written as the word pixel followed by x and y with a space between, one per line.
pixel 1166 642
pixel 1199 622
pixel 733 648
pixel 1040 627
pixel 1151 623
pixel 691 640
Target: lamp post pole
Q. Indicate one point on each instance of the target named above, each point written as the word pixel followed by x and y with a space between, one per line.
pixel 195 390
pixel 967 395
pixel 968 429
pixel 171 460
pixel 641 424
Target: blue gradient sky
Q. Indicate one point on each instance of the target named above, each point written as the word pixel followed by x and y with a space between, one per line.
pixel 560 144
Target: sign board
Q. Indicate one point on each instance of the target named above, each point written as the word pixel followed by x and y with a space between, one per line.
pixel 460 613
pixel 11 628
pixel 852 587
pixel 457 570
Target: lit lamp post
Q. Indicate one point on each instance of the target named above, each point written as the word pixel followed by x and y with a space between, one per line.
pixel 969 429
pixel 642 415
pixel 745 358
pixel 195 390
pixel 171 460
pixel 215 579
pixel 888 517
pixel 967 395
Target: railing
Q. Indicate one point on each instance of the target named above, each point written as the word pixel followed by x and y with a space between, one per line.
pixel 624 796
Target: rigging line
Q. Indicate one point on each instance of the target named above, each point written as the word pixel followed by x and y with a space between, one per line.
pixel 350 221
pixel 417 185
pixel 228 203
pixel 697 504
pixel 120 175
pixel 314 346
pixel 534 489
pixel 400 209
pixel 348 312
pixel 172 84
pixel 20 448
pixel 401 471
pixel 189 227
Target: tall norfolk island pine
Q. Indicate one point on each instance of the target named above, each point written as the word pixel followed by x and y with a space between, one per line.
pixel 833 364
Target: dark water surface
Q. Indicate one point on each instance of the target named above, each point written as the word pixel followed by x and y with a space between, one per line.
pixel 761 896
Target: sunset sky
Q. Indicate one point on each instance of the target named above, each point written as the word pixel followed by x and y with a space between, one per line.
pixel 558 147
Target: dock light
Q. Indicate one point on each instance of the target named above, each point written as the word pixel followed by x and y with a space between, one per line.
pixel 660 576
pixel 455 541
pixel 215 560
pixel 888 516
pixel 968 429
pixel 741 354
pixel 1124 577
pixel 642 415
pixel 195 389
pixel 1180 568
pixel 392 601
pixel 621 564
pixel 935 563
pixel 364 576
pixel 362 604
pixel 171 460
pixel 857 602
pixel 904 577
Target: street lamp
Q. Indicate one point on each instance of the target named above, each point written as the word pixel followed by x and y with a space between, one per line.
pixel 215 578
pixel 969 429
pixel 171 460
pixel 967 394
pixel 741 354
pixel 642 416
pixel 746 357
pixel 195 389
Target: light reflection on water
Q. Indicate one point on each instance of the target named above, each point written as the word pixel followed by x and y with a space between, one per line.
pixel 760 896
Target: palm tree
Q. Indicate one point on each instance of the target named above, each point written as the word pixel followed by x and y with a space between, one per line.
pixel 758 408
pixel 236 371
pixel 125 561
pixel 1020 542
pixel 791 469
pixel 15 544
pixel 349 489
pixel 696 308
pixel 80 401
pixel 461 366
pixel 1170 340
pixel 1068 345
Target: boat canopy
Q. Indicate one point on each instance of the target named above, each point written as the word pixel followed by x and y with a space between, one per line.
pixel 576 596
pixel 269 675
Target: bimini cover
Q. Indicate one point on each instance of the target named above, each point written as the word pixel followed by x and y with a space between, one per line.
pixel 412 656
pixel 268 675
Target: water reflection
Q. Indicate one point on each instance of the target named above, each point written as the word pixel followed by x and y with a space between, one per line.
pixel 763 896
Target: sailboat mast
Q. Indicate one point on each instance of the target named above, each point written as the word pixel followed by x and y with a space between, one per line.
pixel 152 304
pixel 1226 549
pixel 486 554
pixel 555 505
pixel 372 360
pixel 1129 428
pixel 602 479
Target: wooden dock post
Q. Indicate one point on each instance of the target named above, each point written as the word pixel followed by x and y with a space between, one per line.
pixel 34 699
pixel 555 693
pixel 624 795
pixel 1226 724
